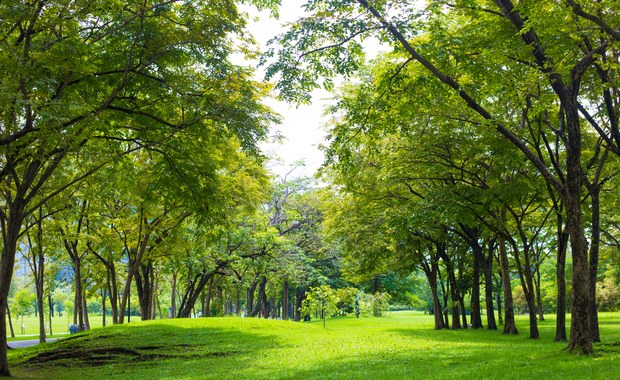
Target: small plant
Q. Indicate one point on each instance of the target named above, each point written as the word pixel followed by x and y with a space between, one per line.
pixel 320 300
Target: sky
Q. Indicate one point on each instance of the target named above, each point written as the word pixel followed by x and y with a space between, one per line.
pixel 302 126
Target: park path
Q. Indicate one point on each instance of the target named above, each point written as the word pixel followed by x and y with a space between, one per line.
pixel 28 343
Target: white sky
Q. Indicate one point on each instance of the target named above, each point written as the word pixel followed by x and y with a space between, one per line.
pixel 302 126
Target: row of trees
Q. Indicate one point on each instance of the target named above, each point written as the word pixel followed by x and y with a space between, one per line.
pixel 120 121
pixel 129 154
pixel 492 123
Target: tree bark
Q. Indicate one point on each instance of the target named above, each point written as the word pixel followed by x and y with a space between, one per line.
pixel 560 312
pixel 430 270
pixel 51 312
pixel 103 306
pixel 250 304
pixel 487 270
pixel 476 318
pixel 510 328
pixel 300 294
pixel 285 301
pixel 594 255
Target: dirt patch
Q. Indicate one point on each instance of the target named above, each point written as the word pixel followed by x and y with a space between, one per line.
pixel 91 357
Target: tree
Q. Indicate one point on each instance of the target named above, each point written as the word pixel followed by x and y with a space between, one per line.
pixel 94 80
pixel 321 301
pixel 514 43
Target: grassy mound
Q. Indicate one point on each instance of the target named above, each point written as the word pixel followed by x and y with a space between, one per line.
pixel 401 345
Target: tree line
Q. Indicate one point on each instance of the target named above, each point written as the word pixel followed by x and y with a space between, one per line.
pixel 481 149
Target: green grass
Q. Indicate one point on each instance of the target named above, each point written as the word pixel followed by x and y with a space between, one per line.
pixel 60 326
pixel 401 345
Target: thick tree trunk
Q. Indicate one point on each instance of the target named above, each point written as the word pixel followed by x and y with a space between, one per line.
pixel 262 306
pixel 192 293
pixel 580 334
pixel 510 328
pixel 487 269
pixel 144 287
pixel 431 275
pixel 476 318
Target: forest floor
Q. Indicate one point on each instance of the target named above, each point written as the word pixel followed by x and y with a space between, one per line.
pixel 398 346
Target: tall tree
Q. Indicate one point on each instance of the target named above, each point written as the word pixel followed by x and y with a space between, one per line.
pixel 515 43
pixel 81 76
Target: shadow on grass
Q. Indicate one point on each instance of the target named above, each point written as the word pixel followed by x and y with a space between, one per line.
pixel 148 350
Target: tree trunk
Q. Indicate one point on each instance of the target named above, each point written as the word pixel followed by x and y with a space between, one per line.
pixel 560 312
pixel 510 328
pixel 445 290
pixel 51 312
pixel 580 335
pixel 431 275
pixel 103 306
pixel 262 305
pixel 463 310
pixel 594 254
pixel 78 304
pixel 144 287
pixel 539 304
pixel 285 301
pixel 85 312
pixel 238 301
pixel 300 294
pixel 487 270
pixel 476 318
pixel 194 288
pixel 525 275
pixel 112 285
pixel 500 316
pixel 173 297
pixel 250 304
pixel 454 294
pixel 209 293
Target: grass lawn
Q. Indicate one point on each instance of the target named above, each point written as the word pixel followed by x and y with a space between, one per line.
pixel 60 326
pixel 402 345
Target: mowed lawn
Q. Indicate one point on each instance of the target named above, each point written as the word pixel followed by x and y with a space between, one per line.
pixel 402 345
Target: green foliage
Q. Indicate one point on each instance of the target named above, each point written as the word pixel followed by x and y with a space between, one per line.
pixel 320 301
pixel 608 295
pixel 374 305
pixel 23 302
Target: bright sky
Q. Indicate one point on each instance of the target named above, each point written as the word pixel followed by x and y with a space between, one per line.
pixel 302 126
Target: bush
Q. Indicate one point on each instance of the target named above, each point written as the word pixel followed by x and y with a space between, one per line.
pixel 608 295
